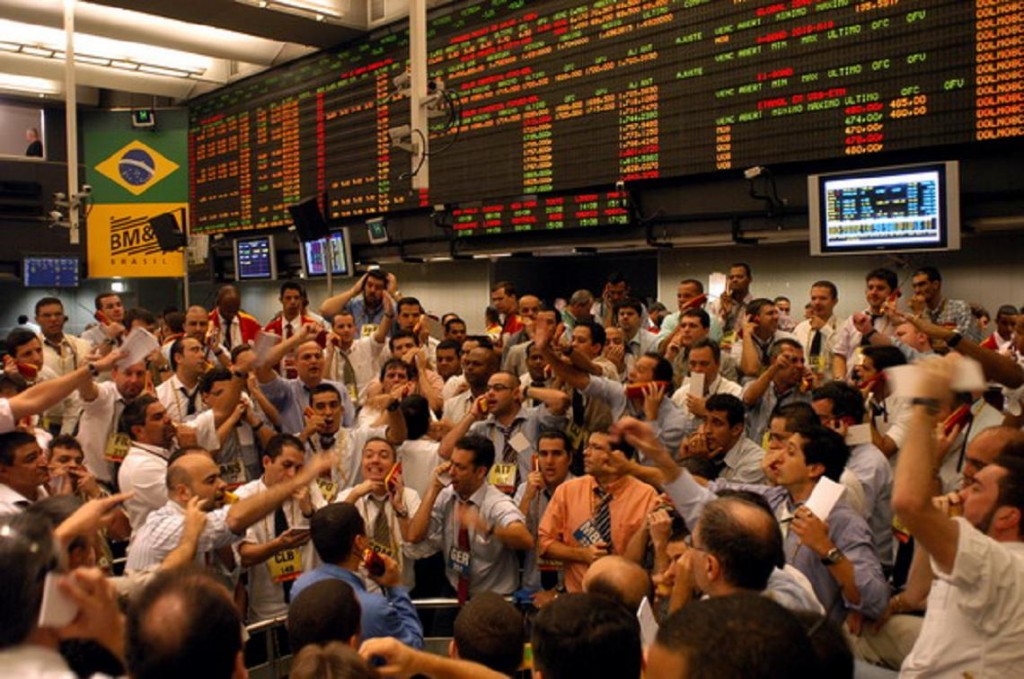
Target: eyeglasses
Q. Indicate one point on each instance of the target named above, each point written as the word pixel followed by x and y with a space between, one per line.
pixel 498 387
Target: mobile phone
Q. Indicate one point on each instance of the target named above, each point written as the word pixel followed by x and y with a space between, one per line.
pixel 957 417
pixel 636 390
pixel 57 609
pixel 896 294
pixel 101 318
pixel 373 563
pixel 696 302
pixel 389 481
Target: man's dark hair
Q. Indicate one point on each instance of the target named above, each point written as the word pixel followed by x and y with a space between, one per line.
pixel 586 635
pixel 702 316
pixel 324 388
pixel 481 447
pixel 147 317
pixel 731 405
pixel 10 442
pixel 508 287
pixel 616 277
pixel 292 285
pixel 708 343
pixel 797 415
pixel 482 341
pixel 489 631
pixel 323 612
pixel 56 509
pixel 754 306
pixel 211 377
pixel 134 413
pixel 64 441
pixel 663 371
pixel 744 266
pixel 780 344
pixel 334 529
pixel 410 368
pixel 278 442
pixel 931 272
pixel 102 296
pixel 175 322
pixel 748 550
pixel 18 337
pixel 408 301
pixel 825 447
pixel 887 275
pixel 47 301
pixel 597 333
pixel 1007 310
pixel 835 659
pixel 828 285
pixel 1011 485
pixel 847 400
pixel 416 411
pixel 378 274
pixel 451 321
pixel 177 349
pixel 782 298
pixel 454 345
pixel 27 552
pixel 629 303
pixel 764 640
pixel 183 624
pixel 884 357
pixel 555 434
pixel 401 334
pixel 693 281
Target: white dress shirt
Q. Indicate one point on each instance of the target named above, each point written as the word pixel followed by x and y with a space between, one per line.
pixel 144 472
pixel 99 421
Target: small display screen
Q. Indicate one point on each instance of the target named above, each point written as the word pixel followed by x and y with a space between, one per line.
pixel 316 256
pixel 51 272
pixel 254 259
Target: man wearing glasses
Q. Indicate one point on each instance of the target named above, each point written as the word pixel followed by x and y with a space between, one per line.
pixel 62 353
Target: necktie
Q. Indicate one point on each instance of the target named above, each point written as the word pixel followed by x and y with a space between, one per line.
pixel 190 401
pixel 280 526
pixel 463 544
pixel 816 343
pixel 326 442
pixel 603 515
pixel 381 527
pixel 348 373
pixel 508 453
pixel 289 361
pixel 227 334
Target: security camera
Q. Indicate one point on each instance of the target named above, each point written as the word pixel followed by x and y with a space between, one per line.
pixel 56 215
pixel 620 186
pixel 86 189
pixel 401 137
pixel 402 81
pixel 59 196
pixel 754 172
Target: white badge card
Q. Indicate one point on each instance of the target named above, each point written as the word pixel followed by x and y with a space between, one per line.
pixel 858 435
pixel 697 384
pixel 588 534
pixel 824 497
pixel 716 284
pixel 519 442
pixel 458 561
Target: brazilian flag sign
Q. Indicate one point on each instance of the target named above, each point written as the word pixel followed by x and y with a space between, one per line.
pixel 136 174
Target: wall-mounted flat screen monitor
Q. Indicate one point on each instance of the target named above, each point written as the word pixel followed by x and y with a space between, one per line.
pixel 314 256
pixel 909 208
pixel 254 259
pixel 51 271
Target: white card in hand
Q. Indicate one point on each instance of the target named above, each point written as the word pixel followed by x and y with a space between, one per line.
pixel 697 384
pixel 858 435
pixel 824 497
pixel 648 623
pixel 716 284
pixel 139 344
pixel 57 609
pixel 969 376
pixel 265 341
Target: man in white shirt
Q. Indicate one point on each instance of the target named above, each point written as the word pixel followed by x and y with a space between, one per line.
pixel 23 471
pixel 109 330
pixel 355 361
pixel 180 393
pixel 62 354
pixel 478 364
pixel 144 469
pixel 704 359
pixel 103 404
pixel 881 293
pixel 276 549
pixel 974 624
pixel 760 333
pixel 817 334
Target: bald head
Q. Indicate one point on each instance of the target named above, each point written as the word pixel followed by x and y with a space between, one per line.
pixel 744 538
pixel 618 578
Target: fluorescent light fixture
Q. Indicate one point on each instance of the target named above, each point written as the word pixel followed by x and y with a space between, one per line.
pixel 329 11
pixel 24 83
pixel 41 41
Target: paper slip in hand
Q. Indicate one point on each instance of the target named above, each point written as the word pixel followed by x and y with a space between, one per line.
pixel 907 379
pixel 265 341
pixel 137 346
pixel 824 497
pixel 697 384
pixel 858 435
pixel 969 376
pixel 716 284
pixel 648 624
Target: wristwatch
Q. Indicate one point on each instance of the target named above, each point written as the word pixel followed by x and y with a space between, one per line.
pixel 833 557
pixel 954 339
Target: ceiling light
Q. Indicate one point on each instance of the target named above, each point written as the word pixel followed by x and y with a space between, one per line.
pixel 22 83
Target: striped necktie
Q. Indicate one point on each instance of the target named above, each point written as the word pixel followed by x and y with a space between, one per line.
pixel 603 515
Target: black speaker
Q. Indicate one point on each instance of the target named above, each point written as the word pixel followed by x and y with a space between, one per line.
pixel 168 234
pixel 309 221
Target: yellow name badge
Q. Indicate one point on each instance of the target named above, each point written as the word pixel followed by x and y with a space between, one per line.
pixel 383 549
pixel 368 329
pixel 285 565
pixel 117 447
pixel 503 477
pixel 328 488
pixel 233 472
pixel 353 392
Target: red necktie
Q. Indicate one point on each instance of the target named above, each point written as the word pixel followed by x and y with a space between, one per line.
pixel 463 541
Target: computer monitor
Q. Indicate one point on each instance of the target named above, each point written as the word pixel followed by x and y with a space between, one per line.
pixel 314 256
pixel 906 208
pixel 254 259
pixel 51 271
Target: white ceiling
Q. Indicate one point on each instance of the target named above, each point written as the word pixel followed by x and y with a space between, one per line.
pixel 169 48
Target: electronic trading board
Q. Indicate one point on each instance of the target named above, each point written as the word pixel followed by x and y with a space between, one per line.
pixel 559 100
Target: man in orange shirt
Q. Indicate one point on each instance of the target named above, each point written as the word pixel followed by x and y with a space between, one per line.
pixel 595 515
